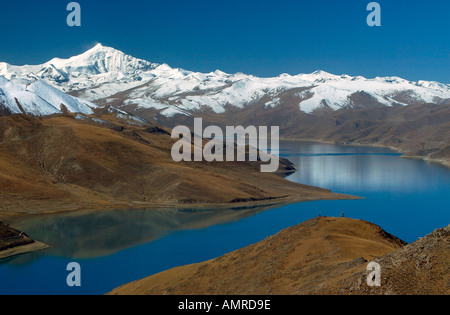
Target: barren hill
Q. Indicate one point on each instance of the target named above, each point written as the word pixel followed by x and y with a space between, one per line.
pixel 76 161
pixel 421 268
pixel 320 256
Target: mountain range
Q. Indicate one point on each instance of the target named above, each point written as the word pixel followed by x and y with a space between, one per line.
pixel 410 116
pixel 106 75
pixel 93 132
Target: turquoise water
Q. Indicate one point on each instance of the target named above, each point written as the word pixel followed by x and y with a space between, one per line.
pixel 408 198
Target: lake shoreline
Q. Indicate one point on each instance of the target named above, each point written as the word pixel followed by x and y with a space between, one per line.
pixel 132 244
pixel 13 216
pixel 22 249
pixel 404 155
pixel 14 242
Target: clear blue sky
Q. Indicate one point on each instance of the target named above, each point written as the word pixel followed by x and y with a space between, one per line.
pixel 260 37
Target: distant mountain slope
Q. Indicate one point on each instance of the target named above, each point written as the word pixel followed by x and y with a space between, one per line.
pixel 179 92
pixel 38 99
pixel 419 131
pixel 320 256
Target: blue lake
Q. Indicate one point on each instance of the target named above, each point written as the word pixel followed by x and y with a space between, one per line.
pixel 408 198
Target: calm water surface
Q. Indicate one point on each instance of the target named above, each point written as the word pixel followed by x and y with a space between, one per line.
pixel 408 198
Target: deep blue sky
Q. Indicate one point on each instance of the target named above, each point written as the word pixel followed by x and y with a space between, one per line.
pixel 260 37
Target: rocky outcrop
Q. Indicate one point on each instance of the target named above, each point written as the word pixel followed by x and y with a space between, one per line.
pixel 416 269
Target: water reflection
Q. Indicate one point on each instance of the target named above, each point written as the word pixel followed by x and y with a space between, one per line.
pixel 94 234
pixel 354 170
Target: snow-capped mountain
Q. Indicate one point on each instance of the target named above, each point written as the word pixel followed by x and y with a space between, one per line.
pixel 108 76
pixel 176 91
pixel 39 99
pixel 99 65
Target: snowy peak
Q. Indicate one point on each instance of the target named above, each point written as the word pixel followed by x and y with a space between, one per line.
pixel 97 66
pixel 102 59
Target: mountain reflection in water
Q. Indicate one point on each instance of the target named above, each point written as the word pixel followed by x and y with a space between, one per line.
pixel 82 235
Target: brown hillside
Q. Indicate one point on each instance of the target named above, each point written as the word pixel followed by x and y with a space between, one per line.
pixel 63 163
pixel 315 257
pixel 421 268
